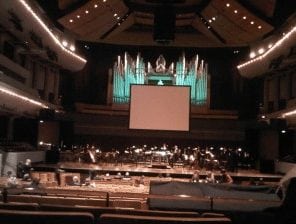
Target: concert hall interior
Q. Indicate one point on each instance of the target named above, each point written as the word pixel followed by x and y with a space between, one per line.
pixel 137 111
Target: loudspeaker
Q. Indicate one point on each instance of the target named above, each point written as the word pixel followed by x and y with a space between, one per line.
pixel 164 24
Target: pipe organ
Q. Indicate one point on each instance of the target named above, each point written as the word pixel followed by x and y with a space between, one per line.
pixel 127 71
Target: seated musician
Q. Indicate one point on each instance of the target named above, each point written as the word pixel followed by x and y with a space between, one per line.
pixel 225 177
pixel 195 176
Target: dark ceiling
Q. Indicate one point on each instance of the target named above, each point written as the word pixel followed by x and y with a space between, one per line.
pixel 183 23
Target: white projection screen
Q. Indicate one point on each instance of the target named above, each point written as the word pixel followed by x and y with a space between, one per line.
pixel 159 107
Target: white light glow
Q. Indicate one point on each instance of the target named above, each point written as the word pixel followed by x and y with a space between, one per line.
pixel 252 55
pixel 291 113
pixel 271 49
pixel 95 6
pixel 252 22
pixel 259 27
pixel 227 5
pixel 244 17
pixel 214 18
pixel 86 11
pixel 71 20
pixel 24 98
pixel 65 43
pixel 72 48
pixel 269 45
pixel 43 25
pixel 235 11
pixel 261 51
pixel 78 16
pixel 115 14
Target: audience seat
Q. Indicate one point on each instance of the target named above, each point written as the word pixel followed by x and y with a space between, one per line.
pixel 41 217
pixel 19 206
pixel 136 219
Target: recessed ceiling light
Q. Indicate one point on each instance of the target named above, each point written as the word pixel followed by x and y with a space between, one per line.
pixel 209 27
pixel 261 51
pixel 115 14
pixel 71 20
pixel 72 48
pixel 86 11
pixel 78 16
pixel 227 5
pixel 214 18
pixel 252 22
pixel 118 17
pixel 235 11
pixel 244 17
pixel 252 55
pixel 259 27
pixel 65 43
pixel 210 21
pixel 104 0
pixel 95 6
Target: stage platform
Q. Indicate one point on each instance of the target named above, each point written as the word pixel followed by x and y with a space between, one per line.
pixel 149 170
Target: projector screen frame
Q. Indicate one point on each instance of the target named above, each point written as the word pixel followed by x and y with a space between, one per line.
pixel 161 130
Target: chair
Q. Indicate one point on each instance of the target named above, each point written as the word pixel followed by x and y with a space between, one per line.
pixel 136 219
pixel 41 217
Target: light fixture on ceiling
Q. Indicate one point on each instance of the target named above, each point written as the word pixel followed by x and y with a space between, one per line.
pixel 252 22
pixel 95 6
pixel 244 17
pixel 65 43
pixel 213 18
pixel 115 14
pixel 86 11
pixel 261 51
pixel 78 16
pixel 227 5
pixel 235 11
pixel 71 20
pixel 252 55
pixel 210 21
pixel 72 48
pixel 269 45
pixel 259 27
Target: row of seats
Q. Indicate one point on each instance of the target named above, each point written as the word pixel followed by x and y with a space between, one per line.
pixel 55 214
pixel 75 201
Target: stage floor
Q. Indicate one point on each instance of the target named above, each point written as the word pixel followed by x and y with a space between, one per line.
pixel 154 171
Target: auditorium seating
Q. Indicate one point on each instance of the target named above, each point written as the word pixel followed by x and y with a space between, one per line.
pixel 42 217
pixel 137 219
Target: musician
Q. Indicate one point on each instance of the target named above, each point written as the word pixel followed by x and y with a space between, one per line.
pixel 195 176
pixel 211 177
pixel 225 177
